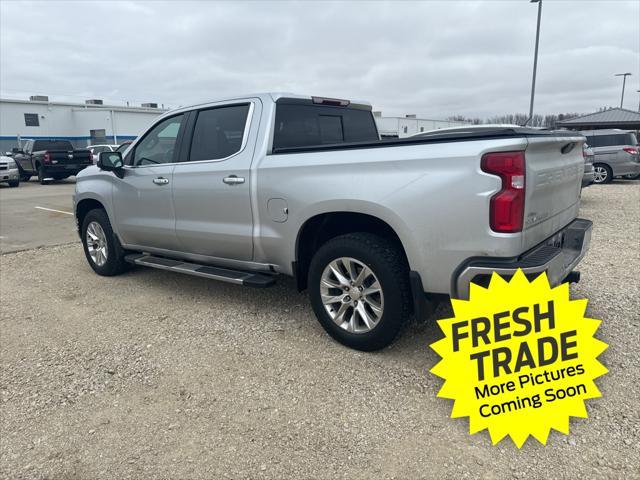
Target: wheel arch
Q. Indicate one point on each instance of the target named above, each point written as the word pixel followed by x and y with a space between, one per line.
pixel 322 227
pixel 83 207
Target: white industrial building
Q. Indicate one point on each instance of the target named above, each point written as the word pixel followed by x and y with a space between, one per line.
pixel 93 123
pixel 410 125
pixel 89 123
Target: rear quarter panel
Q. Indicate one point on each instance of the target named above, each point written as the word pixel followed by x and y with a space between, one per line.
pixel 434 196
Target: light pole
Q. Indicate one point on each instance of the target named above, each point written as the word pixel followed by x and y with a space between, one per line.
pixel 638 101
pixel 624 81
pixel 535 60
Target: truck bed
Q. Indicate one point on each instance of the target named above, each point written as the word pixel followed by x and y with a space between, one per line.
pixel 441 172
pixel 450 135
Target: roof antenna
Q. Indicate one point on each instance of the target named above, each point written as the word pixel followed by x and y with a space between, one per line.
pixel 535 61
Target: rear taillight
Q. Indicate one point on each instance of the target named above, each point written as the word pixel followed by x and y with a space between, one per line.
pixel 46 158
pixel 507 206
pixel 631 150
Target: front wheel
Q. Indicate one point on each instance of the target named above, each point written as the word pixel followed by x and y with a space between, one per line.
pixel 101 245
pixel 602 173
pixel 14 183
pixel 359 289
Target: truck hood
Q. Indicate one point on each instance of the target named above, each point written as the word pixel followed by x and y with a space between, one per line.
pixel 89 171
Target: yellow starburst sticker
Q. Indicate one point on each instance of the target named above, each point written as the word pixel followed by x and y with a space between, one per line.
pixel 519 358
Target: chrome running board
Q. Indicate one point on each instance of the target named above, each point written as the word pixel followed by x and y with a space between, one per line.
pixel 238 277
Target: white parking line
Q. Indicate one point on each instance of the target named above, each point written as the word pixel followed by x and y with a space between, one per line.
pixel 53 210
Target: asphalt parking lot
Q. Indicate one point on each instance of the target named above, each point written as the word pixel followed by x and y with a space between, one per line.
pixel 34 215
pixel 156 375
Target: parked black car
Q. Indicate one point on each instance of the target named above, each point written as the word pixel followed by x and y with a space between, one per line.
pixel 50 160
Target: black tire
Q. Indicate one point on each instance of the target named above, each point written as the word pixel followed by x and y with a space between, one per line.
pixel 632 177
pixel 41 177
pixel 14 183
pixel 388 264
pixel 607 173
pixel 115 263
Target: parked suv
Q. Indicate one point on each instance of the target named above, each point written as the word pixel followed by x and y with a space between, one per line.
pixel 587 153
pixel 248 189
pixel 616 154
pixel 9 171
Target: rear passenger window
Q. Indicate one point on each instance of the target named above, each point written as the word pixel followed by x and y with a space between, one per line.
pixel 300 125
pixel 218 132
pixel 612 140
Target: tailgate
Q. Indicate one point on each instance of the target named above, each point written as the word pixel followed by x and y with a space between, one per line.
pixel 553 184
pixel 73 157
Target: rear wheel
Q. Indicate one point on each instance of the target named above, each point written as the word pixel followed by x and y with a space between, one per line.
pixel 633 176
pixel 41 176
pixel 101 246
pixel 602 173
pixel 359 289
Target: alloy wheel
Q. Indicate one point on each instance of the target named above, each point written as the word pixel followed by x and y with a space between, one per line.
pixel 352 295
pixel 97 244
pixel 600 174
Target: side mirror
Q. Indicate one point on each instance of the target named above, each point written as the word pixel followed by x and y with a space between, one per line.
pixel 111 162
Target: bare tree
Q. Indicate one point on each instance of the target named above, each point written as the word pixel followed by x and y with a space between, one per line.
pixel 541 121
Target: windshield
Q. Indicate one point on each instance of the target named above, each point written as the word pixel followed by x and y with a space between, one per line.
pixel 123 147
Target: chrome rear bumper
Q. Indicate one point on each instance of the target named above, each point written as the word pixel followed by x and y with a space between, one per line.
pixel 557 256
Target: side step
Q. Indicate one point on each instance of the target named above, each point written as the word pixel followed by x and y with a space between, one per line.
pixel 248 279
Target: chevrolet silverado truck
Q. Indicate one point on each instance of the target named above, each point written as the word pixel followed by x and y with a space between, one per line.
pixel 252 188
pixel 50 160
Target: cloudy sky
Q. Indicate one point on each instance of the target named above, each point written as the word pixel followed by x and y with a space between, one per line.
pixel 432 58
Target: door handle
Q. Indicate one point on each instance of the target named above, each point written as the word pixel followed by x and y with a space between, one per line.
pixel 233 180
pixel 160 181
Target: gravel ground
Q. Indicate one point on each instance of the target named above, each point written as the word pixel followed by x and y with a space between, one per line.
pixel 158 375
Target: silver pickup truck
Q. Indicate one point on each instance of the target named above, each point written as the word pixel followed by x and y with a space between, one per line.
pixel 248 189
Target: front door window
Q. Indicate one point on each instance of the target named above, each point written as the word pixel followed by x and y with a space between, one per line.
pixel 158 146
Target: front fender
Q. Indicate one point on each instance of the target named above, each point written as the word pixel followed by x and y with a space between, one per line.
pixel 95 185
